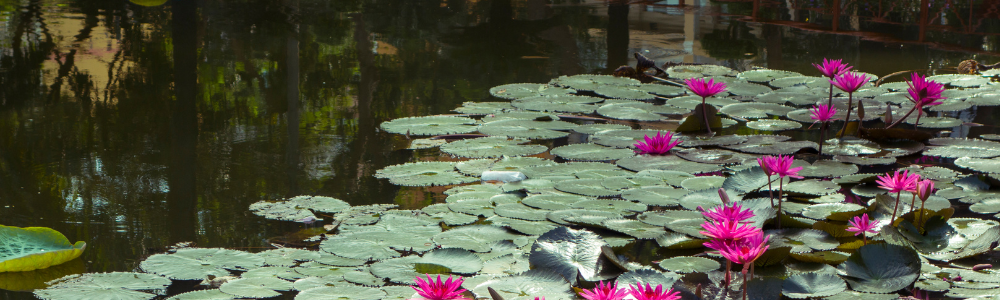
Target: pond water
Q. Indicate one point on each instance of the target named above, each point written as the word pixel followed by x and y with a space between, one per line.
pixel 134 125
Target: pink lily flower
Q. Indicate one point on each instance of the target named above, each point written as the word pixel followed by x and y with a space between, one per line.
pixel 898 183
pixel 822 113
pixel 746 250
pixel 705 88
pixel 437 290
pixel 832 67
pixel 657 145
pixel 604 291
pixel 850 82
pixel 649 293
pixel 728 230
pixel 782 166
pixel 721 213
pixel 861 225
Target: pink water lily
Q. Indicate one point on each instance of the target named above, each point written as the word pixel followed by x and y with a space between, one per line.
pixel 923 92
pixel 649 293
pixel 822 112
pixel 832 67
pixel 782 166
pixel 859 225
pixel 850 82
pixel 657 145
pixel 728 230
pixel 604 291
pixel 705 89
pixel 438 290
pixel 924 190
pixel 745 250
pixel 897 183
pixel 732 213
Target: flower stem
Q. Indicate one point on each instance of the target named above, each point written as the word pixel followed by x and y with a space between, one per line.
pixel 913 202
pixel 704 115
pixel 895 208
pixel 729 265
pixel 847 120
pixel 781 190
pixel 864 238
pixel 822 137
pixel 921 213
pixel 919 113
pixel 770 191
pixel 744 283
pixel 829 101
pixel 901 119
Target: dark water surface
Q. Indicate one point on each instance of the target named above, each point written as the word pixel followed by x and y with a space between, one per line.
pixel 135 127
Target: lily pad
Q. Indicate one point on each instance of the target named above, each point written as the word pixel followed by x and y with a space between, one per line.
pixel 639 111
pixel 586 187
pixel 375 245
pixel 568 252
pixel 535 282
pixel 524 90
pixel 880 268
pixel 198 263
pixel 97 286
pixel 623 92
pixel 634 228
pixel 31 248
pixel 478 238
pixel 812 285
pixel 773 125
pixel 562 103
pixel 755 110
pixel 590 82
pixel 591 152
pixel 766 75
pixel 689 264
pixel 341 292
pixel 655 195
pixel 491 147
pixel 256 287
pixel 668 163
pixel 432 125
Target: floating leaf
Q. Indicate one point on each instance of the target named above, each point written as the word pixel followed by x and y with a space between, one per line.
pixel 639 111
pixel 375 245
pixel 100 286
pixel 31 248
pixel 595 128
pixel 623 92
pixel 586 187
pixel 810 285
pixel 956 148
pixel 541 283
pixel 833 211
pixel 880 268
pixel 689 264
pixel 979 164
pixel 591 152
pixel 213 294
pixel 198 263
pixel 478 238
pixel 755 110
pixel 561 103
pixel 590 82
pixel 935 122
pixel 341 292
pixel 524 90
pixel 802 240
pixel 258 287
pixel 825 168
pixel 483 107
pixel 667 162
pixel 527 129
pixel 654 195
pixel 647 276
pixel 773 125
pixel 568 252
pixel 661 89
pixel 432 125
pixel 523 226
pixel 765 75
pixel 491 147
pixel 634 228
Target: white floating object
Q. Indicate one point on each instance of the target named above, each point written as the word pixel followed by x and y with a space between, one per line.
pixel 504 176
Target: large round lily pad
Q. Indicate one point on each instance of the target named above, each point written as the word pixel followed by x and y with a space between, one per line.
pixel 591 152
pixel 432 125
pixel 880 268
pixel 491 147
pixel 524 90
pixel 562 103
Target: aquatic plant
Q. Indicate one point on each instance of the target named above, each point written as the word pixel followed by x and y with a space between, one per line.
pixel 831 68
pixel 604 291
pixel 32 248
pixel 922 92
pixel 658 144
pixel 924 190
pixel 435 289
pixel 860 225
pixel 897 183
pixel 650 293
pixel 704 89
pixel 849 82
pixel 745 251
pixel 782 166
pixel 823 114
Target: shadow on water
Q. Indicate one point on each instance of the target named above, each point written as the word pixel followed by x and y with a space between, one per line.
pixel 135 127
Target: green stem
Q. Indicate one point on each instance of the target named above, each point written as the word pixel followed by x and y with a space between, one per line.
pixel 895 208
pixel 770 191
pixel 781 190
pixel 847 120
pixel 704 115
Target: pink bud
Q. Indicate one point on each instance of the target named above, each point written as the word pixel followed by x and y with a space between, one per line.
pixel 924 189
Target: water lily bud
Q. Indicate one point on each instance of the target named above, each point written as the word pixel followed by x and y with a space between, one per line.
pixel 981 267
pixel 924 189
pixel 504 176
pixel 723 196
